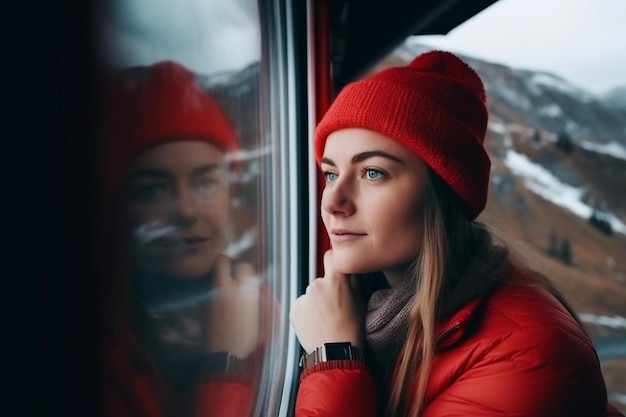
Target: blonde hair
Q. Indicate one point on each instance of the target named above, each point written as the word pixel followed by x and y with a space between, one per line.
pixel 446 228
pixel 444 253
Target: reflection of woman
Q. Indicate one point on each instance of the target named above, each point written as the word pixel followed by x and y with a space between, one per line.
pixel 441 321
pixel 185 318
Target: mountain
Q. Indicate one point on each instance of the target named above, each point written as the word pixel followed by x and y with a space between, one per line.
pixel 546 101
pixel 557 191
pixel 558 162
pixel 616 98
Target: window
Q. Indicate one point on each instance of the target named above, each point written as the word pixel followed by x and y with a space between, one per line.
pixel 201 192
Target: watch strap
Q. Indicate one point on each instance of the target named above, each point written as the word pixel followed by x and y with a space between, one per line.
pixel 332 352
pixel 224 362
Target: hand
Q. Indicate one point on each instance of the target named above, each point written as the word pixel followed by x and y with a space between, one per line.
pixel 233 310
pixel 330 311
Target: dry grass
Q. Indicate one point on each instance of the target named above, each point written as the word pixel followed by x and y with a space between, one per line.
pixel 614 371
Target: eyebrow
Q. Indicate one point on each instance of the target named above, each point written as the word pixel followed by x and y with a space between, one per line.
pixel 203 169
pixel 360 157
pixel 149 172
pixel 165 174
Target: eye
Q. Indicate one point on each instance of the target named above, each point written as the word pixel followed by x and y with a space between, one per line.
pixel 330 176
pixel 209 182
pixel 373 174
pixel 207 185
pixel 146 193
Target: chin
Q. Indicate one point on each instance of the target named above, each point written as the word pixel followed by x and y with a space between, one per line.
pixel 349 265
pixel 184 271
pixel 190 273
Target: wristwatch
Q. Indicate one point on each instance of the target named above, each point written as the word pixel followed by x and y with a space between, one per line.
pixel 332 352
pixel 224 362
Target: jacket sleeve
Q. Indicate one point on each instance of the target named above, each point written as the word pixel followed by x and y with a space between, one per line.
pixel 544 372
pixel 343 388
pixel 227 397
pixel 234 394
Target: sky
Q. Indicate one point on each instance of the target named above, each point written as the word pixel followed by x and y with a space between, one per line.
pixel 207 36
pixel 583 41
pixel 579 40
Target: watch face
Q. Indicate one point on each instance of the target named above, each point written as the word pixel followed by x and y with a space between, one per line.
pixel 215 362
pixel 338 351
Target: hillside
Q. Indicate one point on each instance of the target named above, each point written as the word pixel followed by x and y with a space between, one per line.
pixel 549 200
pixel 559 158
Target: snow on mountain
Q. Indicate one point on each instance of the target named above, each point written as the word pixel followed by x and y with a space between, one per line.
pixel 548 102
pixel 616 98
pixel 524 103
pixel 544 80
pixel 547 185
pixel 613 149
pixel 545 101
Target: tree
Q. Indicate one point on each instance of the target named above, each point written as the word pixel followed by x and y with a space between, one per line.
pixel 566 252
pixel 600 220
pixel 564 142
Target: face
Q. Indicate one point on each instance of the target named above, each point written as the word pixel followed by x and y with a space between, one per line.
pixel 178 204
pixel 373 202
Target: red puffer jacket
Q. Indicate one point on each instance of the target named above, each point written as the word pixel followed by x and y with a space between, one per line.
pixel 514 352
pixel 133 387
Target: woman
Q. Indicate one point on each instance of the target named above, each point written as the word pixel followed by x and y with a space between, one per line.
pixel 419 313
pixel 182 332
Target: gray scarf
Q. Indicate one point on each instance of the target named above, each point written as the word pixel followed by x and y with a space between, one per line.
pixel 386 320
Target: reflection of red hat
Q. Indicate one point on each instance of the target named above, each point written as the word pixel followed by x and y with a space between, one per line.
pixel 435 107
pixel 151 106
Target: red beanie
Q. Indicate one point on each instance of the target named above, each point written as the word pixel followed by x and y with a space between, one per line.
pixel 435 107
pixel 150 106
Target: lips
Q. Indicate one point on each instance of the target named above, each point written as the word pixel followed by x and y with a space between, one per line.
pixel 344 235
pixel 181 242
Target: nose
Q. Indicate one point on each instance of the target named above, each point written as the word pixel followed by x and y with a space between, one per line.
pixel 338 198
pixel 185 207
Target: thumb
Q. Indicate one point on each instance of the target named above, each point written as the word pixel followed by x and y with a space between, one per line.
pixel 223 272
pixel 246 276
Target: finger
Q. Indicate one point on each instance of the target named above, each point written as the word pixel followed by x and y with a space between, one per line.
pixel 311 285
pixel 223 272
pixel 328 262
pixel 329 267
pixel 243 271
pixel 247 277
pixel 314 284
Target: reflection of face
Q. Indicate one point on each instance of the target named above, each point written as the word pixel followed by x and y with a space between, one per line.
pixel 372 203
pixel 178 208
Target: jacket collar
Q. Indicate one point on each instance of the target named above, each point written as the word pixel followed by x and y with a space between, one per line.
pixel 451 330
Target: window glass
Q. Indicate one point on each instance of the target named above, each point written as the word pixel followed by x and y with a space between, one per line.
pixel 190 300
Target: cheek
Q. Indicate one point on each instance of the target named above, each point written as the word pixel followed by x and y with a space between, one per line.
pixel 218 208
pixel 403 222
pixel 217 218
pixel 325 218
pixel 139 217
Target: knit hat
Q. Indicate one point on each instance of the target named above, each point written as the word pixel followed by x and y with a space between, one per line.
pixel 435 107
pixel 149 106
